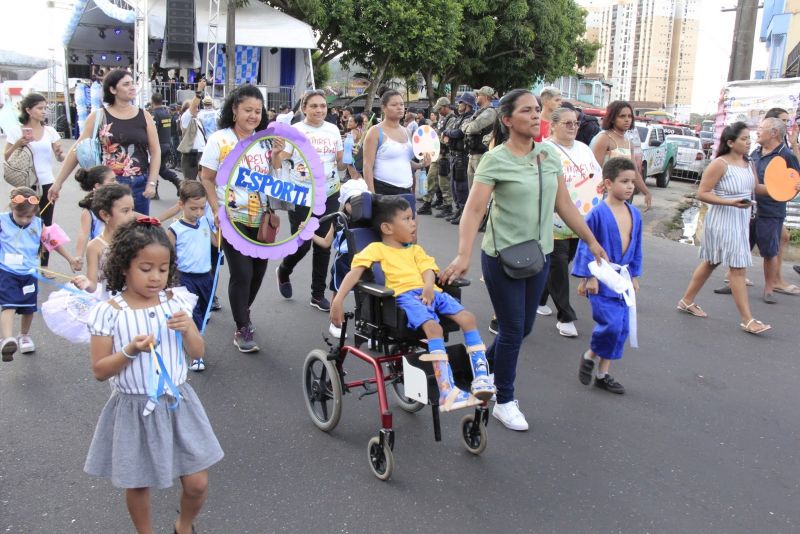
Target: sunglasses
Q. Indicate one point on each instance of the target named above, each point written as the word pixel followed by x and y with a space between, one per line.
pixel 19 199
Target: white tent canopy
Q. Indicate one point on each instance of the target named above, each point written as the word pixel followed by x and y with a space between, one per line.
pixel 256 25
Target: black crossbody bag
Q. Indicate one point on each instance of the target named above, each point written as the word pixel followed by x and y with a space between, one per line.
pixel 525 259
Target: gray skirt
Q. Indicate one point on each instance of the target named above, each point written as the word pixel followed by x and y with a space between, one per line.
pixel 137 451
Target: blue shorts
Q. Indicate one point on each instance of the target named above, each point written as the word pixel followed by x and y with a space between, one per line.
pixel 339 270
pixel 18 292
pixel 418 314
pixel 768 236
pixel 612 327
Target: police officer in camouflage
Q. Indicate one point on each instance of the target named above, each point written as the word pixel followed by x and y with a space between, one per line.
pixel 478 131
pixel 455 139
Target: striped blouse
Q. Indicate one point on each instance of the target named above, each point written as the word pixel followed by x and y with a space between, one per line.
pixel 124 324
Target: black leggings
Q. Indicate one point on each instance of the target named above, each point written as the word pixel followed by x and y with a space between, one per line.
pixel 321 256
pixel 246 276
pixel 47 219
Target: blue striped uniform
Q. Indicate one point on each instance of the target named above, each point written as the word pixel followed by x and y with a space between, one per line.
pixel 193 249
pixel 19 255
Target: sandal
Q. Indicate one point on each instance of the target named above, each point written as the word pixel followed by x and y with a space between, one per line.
pixel 760 327
pixel 791 289
pixel 687 308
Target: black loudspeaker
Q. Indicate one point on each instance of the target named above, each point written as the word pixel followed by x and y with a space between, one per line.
pixel 179 34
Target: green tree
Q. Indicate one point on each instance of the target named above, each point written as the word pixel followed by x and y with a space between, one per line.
pixel 511 43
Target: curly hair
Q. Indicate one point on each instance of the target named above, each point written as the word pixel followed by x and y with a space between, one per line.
pixel 104 197
pixel 129 239
pixel 236 97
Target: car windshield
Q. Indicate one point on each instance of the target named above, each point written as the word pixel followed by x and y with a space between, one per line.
pixel 706 135
pixel 683 142
pixel 642 132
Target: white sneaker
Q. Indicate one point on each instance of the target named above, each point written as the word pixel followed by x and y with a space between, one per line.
pixel 508 413
pixel 567 329
pixel 26 344
pixel 544 310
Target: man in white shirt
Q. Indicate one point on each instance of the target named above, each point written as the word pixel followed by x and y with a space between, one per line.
pixel 194 135
pixel 285 114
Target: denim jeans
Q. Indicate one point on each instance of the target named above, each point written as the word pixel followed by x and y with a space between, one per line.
pixel 137 185
pixel 515 303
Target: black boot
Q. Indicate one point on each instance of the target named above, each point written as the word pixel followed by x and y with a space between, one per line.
pixel 456 215
pixel 444 213
pixel 425 209
pixel 438 202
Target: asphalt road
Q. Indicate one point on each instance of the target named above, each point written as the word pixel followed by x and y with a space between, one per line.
pixel 705 440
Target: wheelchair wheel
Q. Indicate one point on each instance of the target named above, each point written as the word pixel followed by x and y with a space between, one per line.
pixel 406 404
pixel 322 388
pixel 474 438
pixel 381 459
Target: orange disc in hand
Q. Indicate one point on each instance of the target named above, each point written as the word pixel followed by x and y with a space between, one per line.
pixel 780 180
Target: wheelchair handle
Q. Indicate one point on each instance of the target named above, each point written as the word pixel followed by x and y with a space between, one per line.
pixel 330 216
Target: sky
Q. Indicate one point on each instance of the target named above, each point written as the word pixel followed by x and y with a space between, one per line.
pixel 714 41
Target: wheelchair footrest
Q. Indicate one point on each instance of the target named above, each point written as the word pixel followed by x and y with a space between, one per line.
pixel 420 382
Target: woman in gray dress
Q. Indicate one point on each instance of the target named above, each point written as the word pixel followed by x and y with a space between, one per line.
pixel 728 185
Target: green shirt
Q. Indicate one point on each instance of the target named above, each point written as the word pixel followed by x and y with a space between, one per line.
pixel 515 216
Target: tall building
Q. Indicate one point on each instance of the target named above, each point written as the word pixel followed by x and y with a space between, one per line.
pixel 647 49
pixel 780 33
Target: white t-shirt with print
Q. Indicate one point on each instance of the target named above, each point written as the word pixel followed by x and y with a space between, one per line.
pixel 42 152
pixel 327 142
pixel 579 167
pixel 243 206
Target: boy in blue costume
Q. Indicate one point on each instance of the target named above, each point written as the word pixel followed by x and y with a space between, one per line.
pixel 617 225
pixel 411 273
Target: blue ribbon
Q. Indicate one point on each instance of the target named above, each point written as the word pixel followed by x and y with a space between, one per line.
pixel 158 385
pixel 207 316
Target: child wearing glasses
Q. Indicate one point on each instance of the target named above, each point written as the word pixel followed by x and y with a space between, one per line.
pixel 20 242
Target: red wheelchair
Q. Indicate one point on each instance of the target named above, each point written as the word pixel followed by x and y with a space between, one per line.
pixel 393 357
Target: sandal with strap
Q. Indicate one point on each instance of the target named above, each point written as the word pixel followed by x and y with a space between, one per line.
pixel 687 308
pixel 760 327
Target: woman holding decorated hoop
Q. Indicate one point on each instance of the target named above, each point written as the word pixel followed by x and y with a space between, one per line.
pixel 128 141
pixel 388 155
pixel 242 115
pixel 327 143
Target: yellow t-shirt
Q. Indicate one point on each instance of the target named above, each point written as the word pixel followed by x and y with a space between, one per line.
pixel 402 267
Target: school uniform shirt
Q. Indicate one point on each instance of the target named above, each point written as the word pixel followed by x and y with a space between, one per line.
pixel 192 245
pixel 402 267
pixel 327 142
pixel 19 245
pixel 242 205
pixel 42 152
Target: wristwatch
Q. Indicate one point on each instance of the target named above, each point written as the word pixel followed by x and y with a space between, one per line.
pixel 199 94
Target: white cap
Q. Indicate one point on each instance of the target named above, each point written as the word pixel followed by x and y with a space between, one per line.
pixel 352 188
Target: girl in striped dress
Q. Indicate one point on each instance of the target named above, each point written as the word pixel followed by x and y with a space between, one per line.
pixel 728 184
pixel 153 429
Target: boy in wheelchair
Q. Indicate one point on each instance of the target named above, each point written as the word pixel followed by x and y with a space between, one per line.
pixel 411 273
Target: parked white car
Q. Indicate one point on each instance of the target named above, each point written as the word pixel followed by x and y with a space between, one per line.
pixel 691 160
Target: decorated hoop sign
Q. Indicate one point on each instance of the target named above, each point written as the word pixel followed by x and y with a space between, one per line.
pixel 585 189
pixel 252 186
pixel 425 141
pixel 780 180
